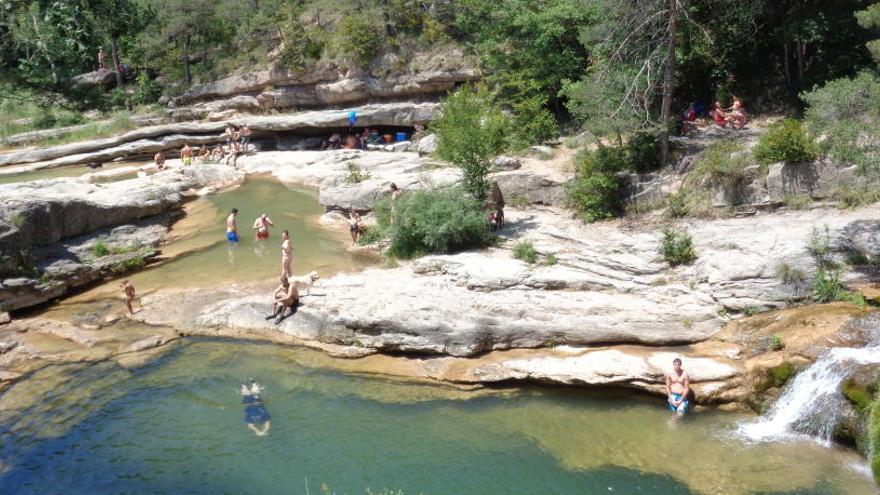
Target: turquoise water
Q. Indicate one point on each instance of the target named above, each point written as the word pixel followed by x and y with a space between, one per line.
pixel 176 426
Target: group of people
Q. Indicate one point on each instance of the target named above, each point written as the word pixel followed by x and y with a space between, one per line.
pixel 735 116
pixel 285 299
pixel 355 141
pixel 237 141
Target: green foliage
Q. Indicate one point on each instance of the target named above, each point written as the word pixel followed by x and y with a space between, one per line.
pixel 828 288
pixel 870 19
pixel 370 235
pixel 677 248
pixel 594 195
pixel 360 36
pixel 355 174
pixel 785 141
pixel 774 342
pixel 724 162
pixel 676 204
pixel 100 249
pixel 550 259
pixel 525 251
pixel 874 438
pixel 847 112
pixel 435 221
pixel 470 132
pixel 532 123
pixel 127 266
pixel 857 394
pixel 855 196
pixel 148 91
pixel 643 152
pixel 299 44
pixel 792 276
pixel 520 202
pixel 796 201
pixel 820 248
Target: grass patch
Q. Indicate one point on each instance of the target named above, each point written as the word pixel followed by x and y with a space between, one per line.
pixel 853 197
pixel 127 266
pixel 525 251
pixel 793 277
pixel 774 342
pixel 550 260
pixel 355 174
pixel 101 248
pixel 677 248
pixel 796 201
pixel 520 202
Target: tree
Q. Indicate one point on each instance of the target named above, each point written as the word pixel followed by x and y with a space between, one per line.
pixel 180 22
pixel 470 132
pixel 117 18
pixel 870 19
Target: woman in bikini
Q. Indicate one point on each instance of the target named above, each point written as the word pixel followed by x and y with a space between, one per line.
pixel 286 254
pixel 737 117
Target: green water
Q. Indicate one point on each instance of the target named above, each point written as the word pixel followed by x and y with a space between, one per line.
pixel 176 426
pixel 200 255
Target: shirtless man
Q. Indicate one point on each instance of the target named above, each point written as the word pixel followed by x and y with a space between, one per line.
pixel 159 158
pixel 678 386
pixel 203 154
pixel 234 151
pixel 245 138
pixel 285 296
pixel 128 295
pixel 231 227
pixel 261 225
pixel 229 133
pixel 186 154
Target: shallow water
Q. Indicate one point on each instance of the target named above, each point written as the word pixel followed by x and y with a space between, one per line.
pixel 176 426
pixel 66 171
pixel 203 258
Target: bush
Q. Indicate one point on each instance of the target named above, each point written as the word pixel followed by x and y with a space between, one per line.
pixel 369 235
pixel 774 342
pixel 360 35
pixel 436 221
pixel 643 152
pixel 724 162
pixel 148 91
pixel 793 277
pixel 785 141
pixel 355 175
pixel 100 249
pixel 874 438
pixel 550 260
pixel 677 247
pixel 827 288
pixel 525 251
pixel 796 201
pixel 532 123
pixel 847 112
pixel 470 131
pixel 595 196
pixel 853 197
pixel 676 205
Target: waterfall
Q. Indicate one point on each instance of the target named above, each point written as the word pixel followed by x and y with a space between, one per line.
pixel 812 403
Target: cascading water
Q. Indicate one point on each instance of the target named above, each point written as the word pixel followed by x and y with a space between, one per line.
pixel 812 403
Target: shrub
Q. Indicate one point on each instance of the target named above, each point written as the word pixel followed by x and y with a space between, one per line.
pixel 853 197
pixel 127 265
pixel 820 248
pixel 595 196
pixel 796 201
pixel 677 247
pixel 676 204
pixel 525 251
pixel 724 162
pixel 793 277
pixel 774 342
pixel 148 91
pixel 532 123
pixel 361 36
pixel 874 438
pixel 550 260
pixel 643 152
pixel 355 174
pixel 470 131
pixel 827 287
pixel 520 202
pixel 847 112
pixel 435 221
pixel 786 141
pixel 369 235
pixel 100 249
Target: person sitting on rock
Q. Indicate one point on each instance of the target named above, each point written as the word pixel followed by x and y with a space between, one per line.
pixel 234 153
pixel 737 116
pixel 332 143
pixel 217 154
pixel 351 142
pixel 678 386
pixel 285 296
pixel 718 115
pixel 159 158
pixel 203 154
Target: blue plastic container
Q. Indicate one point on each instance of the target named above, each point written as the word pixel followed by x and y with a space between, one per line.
pixel 400 136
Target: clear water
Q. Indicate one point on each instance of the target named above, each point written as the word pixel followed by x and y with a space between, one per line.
pixel 200 256
pixel 176 426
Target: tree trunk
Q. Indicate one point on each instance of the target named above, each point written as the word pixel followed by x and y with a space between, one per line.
pixel 114 51
pixel 186 74
pixel 668 83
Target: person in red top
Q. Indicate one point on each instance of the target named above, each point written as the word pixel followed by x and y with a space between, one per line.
pixel 718 115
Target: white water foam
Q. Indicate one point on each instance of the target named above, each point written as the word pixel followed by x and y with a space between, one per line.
pixel 811 403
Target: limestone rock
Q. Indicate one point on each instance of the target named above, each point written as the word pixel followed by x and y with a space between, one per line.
pixel 542 152
pixel 536 188
pixel 504 162
pixel 427 145
pixel 105 79
pixel 5 318
pixel 818 180
pixel 862 236
pixel 147 343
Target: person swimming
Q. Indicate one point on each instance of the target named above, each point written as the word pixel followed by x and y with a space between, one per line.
pixel 256 416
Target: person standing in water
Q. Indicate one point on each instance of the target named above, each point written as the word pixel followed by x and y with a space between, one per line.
pixel 286 254
pixel 128 295
pixel 231 227
pixel 261 226
pixel 678 386
pixel 256 417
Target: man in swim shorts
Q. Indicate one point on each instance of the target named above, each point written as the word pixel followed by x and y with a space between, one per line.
pixel 231 227
pixel 159 158
pixel 255 412
pixel 261 225
pixel 128 295
pixel 186 154
pixel 678 386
